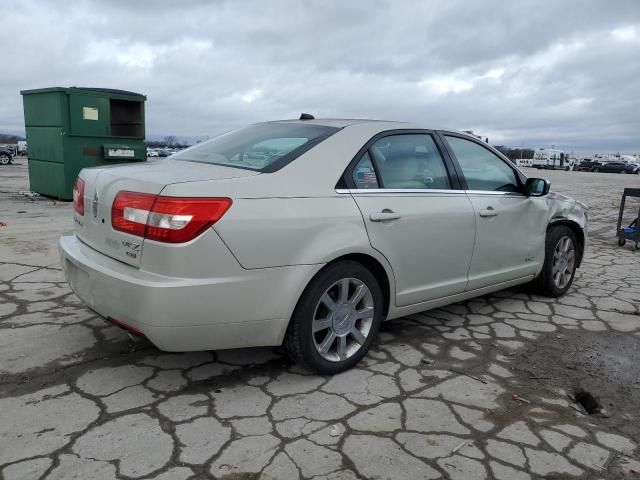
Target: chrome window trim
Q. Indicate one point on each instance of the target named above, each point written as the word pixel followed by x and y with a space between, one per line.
pixel 356 191
pixel 489 192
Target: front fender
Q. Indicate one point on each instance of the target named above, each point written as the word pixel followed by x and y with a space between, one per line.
pixel 564 210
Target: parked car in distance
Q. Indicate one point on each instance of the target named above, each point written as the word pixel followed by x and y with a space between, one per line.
pixel 310 233
pixel 587 165
pixel 617 167
pixel 6 156
pixel 151 153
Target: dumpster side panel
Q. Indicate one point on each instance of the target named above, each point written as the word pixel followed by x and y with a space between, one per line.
pixel 45 110
pixel 46 160
pixel 45 144
pixel 47 178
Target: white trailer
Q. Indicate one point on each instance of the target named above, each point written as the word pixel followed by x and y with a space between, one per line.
pixel 524 162
pixel 22 147
pixel 550 159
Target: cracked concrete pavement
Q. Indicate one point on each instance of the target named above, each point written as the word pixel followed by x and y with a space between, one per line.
pixel 434 398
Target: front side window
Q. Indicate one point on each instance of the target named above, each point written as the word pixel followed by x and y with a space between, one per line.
pixel 409 161
pixel 264 147
pixel 482 169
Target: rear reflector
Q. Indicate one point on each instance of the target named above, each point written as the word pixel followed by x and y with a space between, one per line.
pixel 165 219
pixel 126 326
pixel 78 196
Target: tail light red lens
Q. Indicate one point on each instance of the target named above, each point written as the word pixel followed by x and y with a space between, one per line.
pixel 165 219
pixel 78 196
pixel 130 211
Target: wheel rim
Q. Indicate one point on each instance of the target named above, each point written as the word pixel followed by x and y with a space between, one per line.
pixel 564 259
pixel 342 319
pixel 4 160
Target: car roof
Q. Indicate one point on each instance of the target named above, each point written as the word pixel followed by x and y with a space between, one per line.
pixel 346 122
pixel 380 125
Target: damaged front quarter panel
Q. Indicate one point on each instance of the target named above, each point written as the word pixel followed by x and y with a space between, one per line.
pixel 568 211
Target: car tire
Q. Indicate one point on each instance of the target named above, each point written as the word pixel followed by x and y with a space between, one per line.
pixel 621 242
pixel 623 171
pixel 596 170
pixel 560 262
pixel 321 334
pixel 5 159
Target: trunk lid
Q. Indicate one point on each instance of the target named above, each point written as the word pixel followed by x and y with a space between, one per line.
pixel 103 183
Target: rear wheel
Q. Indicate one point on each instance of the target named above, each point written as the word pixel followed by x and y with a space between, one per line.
pixel 561 260
pixel 336 319
pixel 5 159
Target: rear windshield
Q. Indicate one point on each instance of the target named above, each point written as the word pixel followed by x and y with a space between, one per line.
pixel 264 147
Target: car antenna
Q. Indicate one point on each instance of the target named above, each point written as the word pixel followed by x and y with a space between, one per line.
pixel 307 116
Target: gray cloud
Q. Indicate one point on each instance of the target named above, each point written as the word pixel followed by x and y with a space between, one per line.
pixel 538 73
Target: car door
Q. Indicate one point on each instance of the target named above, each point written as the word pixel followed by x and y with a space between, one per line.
pixel 415 214
pixel 510 227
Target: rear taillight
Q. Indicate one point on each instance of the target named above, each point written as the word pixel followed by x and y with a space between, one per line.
pixel 130 211
pixel 78 196
pixel 165 219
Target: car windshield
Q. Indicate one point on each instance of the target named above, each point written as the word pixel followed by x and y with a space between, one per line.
pixel 264 147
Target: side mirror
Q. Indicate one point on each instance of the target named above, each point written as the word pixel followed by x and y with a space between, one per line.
pixel 536 187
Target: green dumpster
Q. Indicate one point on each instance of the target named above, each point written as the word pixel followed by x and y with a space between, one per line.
pixel 69 129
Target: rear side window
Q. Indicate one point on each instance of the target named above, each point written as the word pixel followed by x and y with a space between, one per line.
pixel 482 169
pixel 410 161
pixel 264 147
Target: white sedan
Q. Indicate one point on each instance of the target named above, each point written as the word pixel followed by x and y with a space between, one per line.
pixel 310 233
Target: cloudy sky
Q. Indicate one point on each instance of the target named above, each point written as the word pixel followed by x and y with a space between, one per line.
pixel 521 72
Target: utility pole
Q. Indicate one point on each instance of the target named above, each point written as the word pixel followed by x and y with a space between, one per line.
pixel 521 148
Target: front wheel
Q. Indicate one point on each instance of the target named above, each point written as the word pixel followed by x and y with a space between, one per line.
pixel 336 319
pixel 621 242
pixel 5 159
pixel 560 263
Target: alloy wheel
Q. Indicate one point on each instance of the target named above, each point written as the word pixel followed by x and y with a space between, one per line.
pixel 342 319
pixel 564 259
pixel 4 160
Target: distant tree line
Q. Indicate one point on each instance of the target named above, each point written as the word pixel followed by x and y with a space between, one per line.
pixel 515 153
pixel 10 139
pixel 168 141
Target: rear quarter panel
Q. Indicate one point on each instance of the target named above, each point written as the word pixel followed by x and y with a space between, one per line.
pixel 273 232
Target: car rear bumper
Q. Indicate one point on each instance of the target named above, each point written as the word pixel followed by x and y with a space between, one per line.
pixel 245 308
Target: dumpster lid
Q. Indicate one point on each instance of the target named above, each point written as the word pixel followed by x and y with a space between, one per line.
pixel 105 92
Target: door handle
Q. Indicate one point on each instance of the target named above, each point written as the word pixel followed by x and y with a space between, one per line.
pixel 488 212
pixel 384 216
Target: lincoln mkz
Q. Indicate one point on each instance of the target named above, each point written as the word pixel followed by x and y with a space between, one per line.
pixel 309 233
